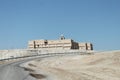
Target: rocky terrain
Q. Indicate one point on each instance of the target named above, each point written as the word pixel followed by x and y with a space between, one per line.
pixel 98 66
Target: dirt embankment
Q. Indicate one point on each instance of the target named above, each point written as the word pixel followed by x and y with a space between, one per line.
pixel 100 66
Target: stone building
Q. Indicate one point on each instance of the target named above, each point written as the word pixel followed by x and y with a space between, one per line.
pixel 62 43
pixel 85 46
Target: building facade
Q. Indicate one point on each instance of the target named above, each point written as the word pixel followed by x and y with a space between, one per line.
pixel 85 46
pixel 62 43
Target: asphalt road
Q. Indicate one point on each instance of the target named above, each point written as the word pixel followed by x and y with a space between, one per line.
pixel 12 71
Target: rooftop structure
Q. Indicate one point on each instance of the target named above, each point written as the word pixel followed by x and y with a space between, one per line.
pixel 61 43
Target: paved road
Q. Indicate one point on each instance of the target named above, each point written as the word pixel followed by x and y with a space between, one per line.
pixel 13 71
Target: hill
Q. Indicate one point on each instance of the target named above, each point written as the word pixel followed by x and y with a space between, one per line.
pixel 99 66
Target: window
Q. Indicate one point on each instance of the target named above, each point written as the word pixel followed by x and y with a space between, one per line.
pixel 45 42
pixel 38 46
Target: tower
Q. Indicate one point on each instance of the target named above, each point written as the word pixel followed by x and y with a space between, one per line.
pixel 62 37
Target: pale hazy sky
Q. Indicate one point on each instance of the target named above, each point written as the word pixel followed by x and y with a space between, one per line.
pixel 96 21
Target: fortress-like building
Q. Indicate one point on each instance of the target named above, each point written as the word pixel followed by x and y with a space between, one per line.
pixel 61 43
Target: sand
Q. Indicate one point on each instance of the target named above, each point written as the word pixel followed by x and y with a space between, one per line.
pixel 99 66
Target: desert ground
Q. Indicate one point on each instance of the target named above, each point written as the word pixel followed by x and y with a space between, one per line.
pixel 98 66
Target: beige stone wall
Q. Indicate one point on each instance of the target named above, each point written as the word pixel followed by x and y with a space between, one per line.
pixel 59 44
pixel 65 44
pixel 4 54
pixel 85 46
pixel 82 46
pixel 89 46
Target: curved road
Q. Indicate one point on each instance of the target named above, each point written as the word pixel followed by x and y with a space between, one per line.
pixel 12 71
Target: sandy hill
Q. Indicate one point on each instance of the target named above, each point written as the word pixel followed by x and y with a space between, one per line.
pixel 99 66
